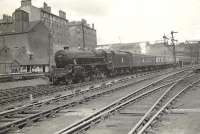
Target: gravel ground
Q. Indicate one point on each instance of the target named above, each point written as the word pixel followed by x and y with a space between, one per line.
pixel 185 117
pixel 24 83
pixel 72 115
pixel 125 119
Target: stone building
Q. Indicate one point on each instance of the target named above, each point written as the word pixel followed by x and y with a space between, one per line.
pixel 21 32
pixel 192 50
pixel 59 32
pixel 56 24
pixel 158 49
pixel 29 44
pixel 6 24
pixel 64 33
pixel 183 51
pixel 82 34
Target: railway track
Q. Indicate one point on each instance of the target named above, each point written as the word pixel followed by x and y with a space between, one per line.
pixel 89 122
pixel 8 96
pixel 19 117
pixel 162 104
pixel 20 76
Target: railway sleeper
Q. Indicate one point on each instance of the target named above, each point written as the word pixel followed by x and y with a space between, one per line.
pixel 6 120
pixel 48 113
pixel 150 131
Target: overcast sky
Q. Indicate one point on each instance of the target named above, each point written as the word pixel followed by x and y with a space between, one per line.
pixel 128 20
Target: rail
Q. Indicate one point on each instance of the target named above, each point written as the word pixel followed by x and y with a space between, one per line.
pixel 84 123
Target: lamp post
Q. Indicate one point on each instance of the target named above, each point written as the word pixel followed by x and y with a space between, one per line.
pixel 83 32
pixel 30 63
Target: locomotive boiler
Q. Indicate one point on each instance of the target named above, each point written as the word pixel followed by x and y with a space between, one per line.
pixel 78 65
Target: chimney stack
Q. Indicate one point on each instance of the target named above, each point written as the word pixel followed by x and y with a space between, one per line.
pixel 84 21
pixel 62 14
pixel 7 18
pixel 26 3
pixel 46 7
pixel 21 20
pixel 93 26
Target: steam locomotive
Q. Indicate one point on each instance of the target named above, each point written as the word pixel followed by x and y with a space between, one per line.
pixel 73 66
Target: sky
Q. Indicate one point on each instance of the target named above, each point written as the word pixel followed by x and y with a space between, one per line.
pixel 128 20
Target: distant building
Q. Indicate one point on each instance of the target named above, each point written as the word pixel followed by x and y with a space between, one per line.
pixel 82 35
pixel 192 50
pixel 183 51
pixel 129 47
pixel 158 49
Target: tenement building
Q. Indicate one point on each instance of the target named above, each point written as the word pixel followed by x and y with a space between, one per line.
pixel 28 47
pixel 82 34
pixel 39 34
pixel 56 24
pixel 64 33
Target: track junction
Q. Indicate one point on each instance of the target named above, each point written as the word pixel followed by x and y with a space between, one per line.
pixel 163 87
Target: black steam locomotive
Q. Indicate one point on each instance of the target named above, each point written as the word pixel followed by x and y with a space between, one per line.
pixel 73 66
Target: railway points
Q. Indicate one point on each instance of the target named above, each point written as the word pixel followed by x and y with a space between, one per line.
pixel 57 108
pixel 89 124
pixel 184 114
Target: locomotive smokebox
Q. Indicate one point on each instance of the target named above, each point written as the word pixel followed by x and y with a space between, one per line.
pixel 62 58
